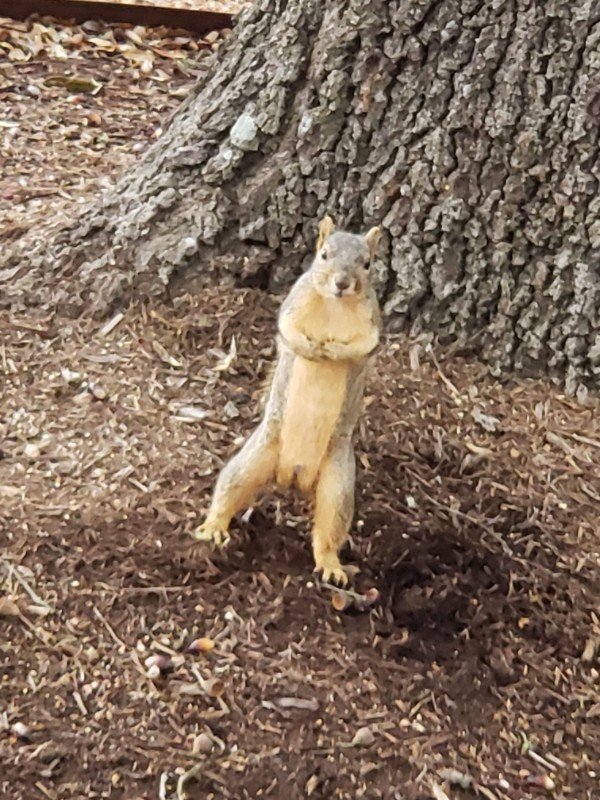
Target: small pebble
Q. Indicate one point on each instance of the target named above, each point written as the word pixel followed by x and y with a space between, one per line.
pixel 202 743
pixel 154 672
pixel 363 737
pixel 21 730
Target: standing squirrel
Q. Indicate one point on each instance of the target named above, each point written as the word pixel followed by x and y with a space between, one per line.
pixel 329 325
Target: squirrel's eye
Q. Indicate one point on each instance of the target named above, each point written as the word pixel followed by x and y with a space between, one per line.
pixel 324 255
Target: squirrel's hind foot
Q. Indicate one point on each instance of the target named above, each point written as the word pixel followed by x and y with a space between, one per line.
pixel 332 571
pixel 213 534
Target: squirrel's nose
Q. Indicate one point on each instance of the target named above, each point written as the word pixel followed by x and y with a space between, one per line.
pixel 342 284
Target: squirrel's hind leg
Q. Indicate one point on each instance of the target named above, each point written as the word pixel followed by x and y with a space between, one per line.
pixel 240 481
pixel 334 509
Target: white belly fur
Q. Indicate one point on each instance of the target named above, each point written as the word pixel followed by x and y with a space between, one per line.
pixel 316 395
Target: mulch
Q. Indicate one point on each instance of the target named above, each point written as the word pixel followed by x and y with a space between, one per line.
pixel 476 522
pixel 78 105
pixel 474 675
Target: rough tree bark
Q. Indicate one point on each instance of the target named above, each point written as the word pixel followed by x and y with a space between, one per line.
pixel 467 128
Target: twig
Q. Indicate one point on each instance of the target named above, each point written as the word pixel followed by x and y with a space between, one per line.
pixel 13 573
pixel 349 593
pixel 555 760
pixel 486 792
pixel 39 785
pixel 584 439
pixel 541 760
pixel 151 589
pixel 79 700
pixel 162 786
pixel 104 621
pixel 183 779
pixel 453 390
pixel 420 703
pixel 111 324
pixel 549 762
pixel 437 791
pixel 507 550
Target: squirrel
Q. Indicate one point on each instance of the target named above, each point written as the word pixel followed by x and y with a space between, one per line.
pixel 329 326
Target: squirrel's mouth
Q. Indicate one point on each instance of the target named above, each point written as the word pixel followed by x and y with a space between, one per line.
pixel 346 292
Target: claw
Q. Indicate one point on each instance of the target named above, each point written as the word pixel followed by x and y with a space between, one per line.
pixel 336 576
pixel 213 534
pixel 332 571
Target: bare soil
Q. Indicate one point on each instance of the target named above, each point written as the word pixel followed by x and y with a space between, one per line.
pixel 476 673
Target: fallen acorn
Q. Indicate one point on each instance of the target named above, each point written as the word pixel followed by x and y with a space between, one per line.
pixel 543 781
pixel 158 660
pixel 202 645
pixel 159 664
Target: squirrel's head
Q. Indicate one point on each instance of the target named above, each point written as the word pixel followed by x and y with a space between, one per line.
pixel 342 261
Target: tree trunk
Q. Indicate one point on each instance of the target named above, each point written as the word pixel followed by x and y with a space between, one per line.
pixel 467 128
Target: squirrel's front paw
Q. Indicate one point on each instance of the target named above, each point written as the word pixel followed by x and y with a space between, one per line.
pixel 335 351
pixel 331 570
pixel 329 349
pixel 213 534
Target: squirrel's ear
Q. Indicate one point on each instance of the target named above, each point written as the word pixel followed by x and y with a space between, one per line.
pixel 372 239
pixel 326 226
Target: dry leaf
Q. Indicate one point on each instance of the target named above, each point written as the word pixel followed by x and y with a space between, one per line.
pixel 487 422
pixel 456 777
pixel 190 414
pixel 590 648
pixel 437 792
pixel 164 356
pixel 298 702
pixel 228 360
pixel 8 608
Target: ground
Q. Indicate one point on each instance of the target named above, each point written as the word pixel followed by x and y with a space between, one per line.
pixel 476 521
pixel 78 105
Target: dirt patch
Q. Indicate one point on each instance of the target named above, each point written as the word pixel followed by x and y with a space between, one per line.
pixel 477 509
